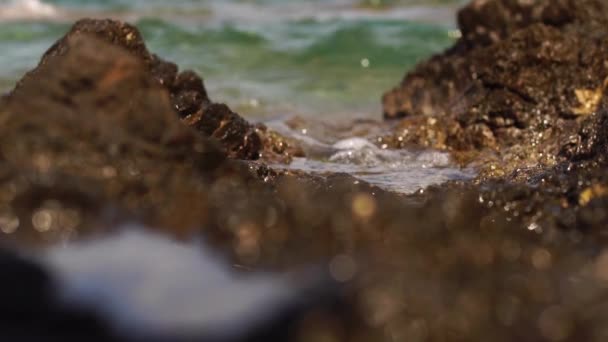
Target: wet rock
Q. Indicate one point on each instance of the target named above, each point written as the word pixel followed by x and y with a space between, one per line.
pixel 522 97
pixel 523 81
pixel 278 148
pixel 188 95
pixel 218 121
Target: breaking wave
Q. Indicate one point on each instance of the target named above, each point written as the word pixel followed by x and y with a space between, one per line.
pixel 403 171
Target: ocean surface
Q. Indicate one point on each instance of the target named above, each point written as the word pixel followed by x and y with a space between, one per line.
pixel 273 60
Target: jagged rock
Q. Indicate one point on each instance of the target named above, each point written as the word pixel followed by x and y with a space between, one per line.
pixel 523 81
pixel 188 96
pixel 218 121
pixel 484 22
pixel 277 148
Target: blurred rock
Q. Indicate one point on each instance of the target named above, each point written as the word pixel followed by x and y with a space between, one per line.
pixel 83 137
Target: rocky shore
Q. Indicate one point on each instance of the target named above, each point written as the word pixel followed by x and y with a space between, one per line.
pixel 103 132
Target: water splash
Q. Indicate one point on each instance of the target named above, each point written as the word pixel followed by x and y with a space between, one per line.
pixel 402 171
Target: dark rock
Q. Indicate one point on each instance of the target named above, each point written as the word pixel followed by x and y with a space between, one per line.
pixel 521 97
pixel 187 92
pixel 190 95
pixel 485 22
pixel 526 78
pixel 277 148
pixel 30 309
pixel 218 121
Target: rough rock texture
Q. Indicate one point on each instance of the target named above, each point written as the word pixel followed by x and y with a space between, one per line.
pixel 278 148
pixel 525 81
pixel 218 121
pixel 188 96
pixel 484 22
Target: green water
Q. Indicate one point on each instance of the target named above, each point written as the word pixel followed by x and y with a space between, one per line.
pixel 313 67
pixel 264 58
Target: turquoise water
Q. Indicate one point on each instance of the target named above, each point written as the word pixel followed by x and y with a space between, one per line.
pixel 272 60
pixel 265 58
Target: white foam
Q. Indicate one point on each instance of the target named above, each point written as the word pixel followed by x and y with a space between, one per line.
pixel 360 151
pixel 401 170
pixel 151 285
pixel 355 143
pixel 27 9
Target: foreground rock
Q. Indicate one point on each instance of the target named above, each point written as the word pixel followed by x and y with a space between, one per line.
pixel 82 149
pixel 75 137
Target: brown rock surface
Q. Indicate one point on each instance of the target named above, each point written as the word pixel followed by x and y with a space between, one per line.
pixel 524 81
pixel 74 138
pixel 187 93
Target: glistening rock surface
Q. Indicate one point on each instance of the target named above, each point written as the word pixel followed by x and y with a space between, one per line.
pixel 525 81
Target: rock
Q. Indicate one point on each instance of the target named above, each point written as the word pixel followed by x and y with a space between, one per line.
pixel 523 81
pixel 521 97
pixel 484 22
pixel 188 95
pixel 237 136
pixel 278 148
pixel 75 139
